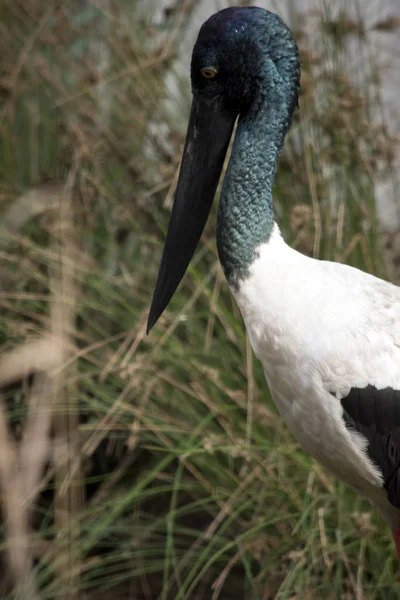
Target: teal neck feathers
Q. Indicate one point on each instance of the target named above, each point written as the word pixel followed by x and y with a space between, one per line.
pixel 246 212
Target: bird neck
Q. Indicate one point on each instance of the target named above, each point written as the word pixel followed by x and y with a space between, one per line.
pixel 246 211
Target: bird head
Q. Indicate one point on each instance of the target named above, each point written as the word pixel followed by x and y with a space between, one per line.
pixel 243 58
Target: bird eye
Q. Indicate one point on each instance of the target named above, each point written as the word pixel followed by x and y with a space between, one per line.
pixel 209 72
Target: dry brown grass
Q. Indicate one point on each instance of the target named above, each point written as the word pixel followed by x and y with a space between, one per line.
pixel 157 466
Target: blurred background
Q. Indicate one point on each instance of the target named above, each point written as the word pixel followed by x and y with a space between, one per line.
pixel 157 468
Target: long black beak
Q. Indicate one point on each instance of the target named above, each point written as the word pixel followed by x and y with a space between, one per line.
pixel 207 139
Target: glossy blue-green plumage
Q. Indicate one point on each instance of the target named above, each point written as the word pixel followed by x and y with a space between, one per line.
pixel 258 73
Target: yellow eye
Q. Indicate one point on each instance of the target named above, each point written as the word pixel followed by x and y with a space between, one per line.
pixel 209 72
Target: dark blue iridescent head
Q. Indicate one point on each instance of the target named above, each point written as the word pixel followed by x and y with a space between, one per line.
pixel 252 51
pixel 244 65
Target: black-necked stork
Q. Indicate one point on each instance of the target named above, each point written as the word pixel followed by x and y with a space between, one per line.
pixel 327 335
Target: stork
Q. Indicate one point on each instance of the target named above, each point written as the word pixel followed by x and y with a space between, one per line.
pixel 327 334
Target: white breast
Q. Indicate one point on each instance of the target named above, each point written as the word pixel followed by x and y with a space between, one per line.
pixel 320 328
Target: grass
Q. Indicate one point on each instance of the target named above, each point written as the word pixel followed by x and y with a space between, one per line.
pixel 164 470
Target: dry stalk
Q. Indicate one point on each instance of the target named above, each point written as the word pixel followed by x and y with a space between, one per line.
pixel 30 204
pixel 37 355
pixel 15 516
pixel 22 464
pixel 21 469
pixel 69 490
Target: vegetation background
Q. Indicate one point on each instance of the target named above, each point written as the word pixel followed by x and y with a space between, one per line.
pixel 157 467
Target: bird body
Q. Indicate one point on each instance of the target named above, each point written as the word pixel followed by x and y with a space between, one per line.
pixel 327 335
pixel 321 329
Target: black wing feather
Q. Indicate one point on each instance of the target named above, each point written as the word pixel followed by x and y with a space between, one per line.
pixel 376 415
